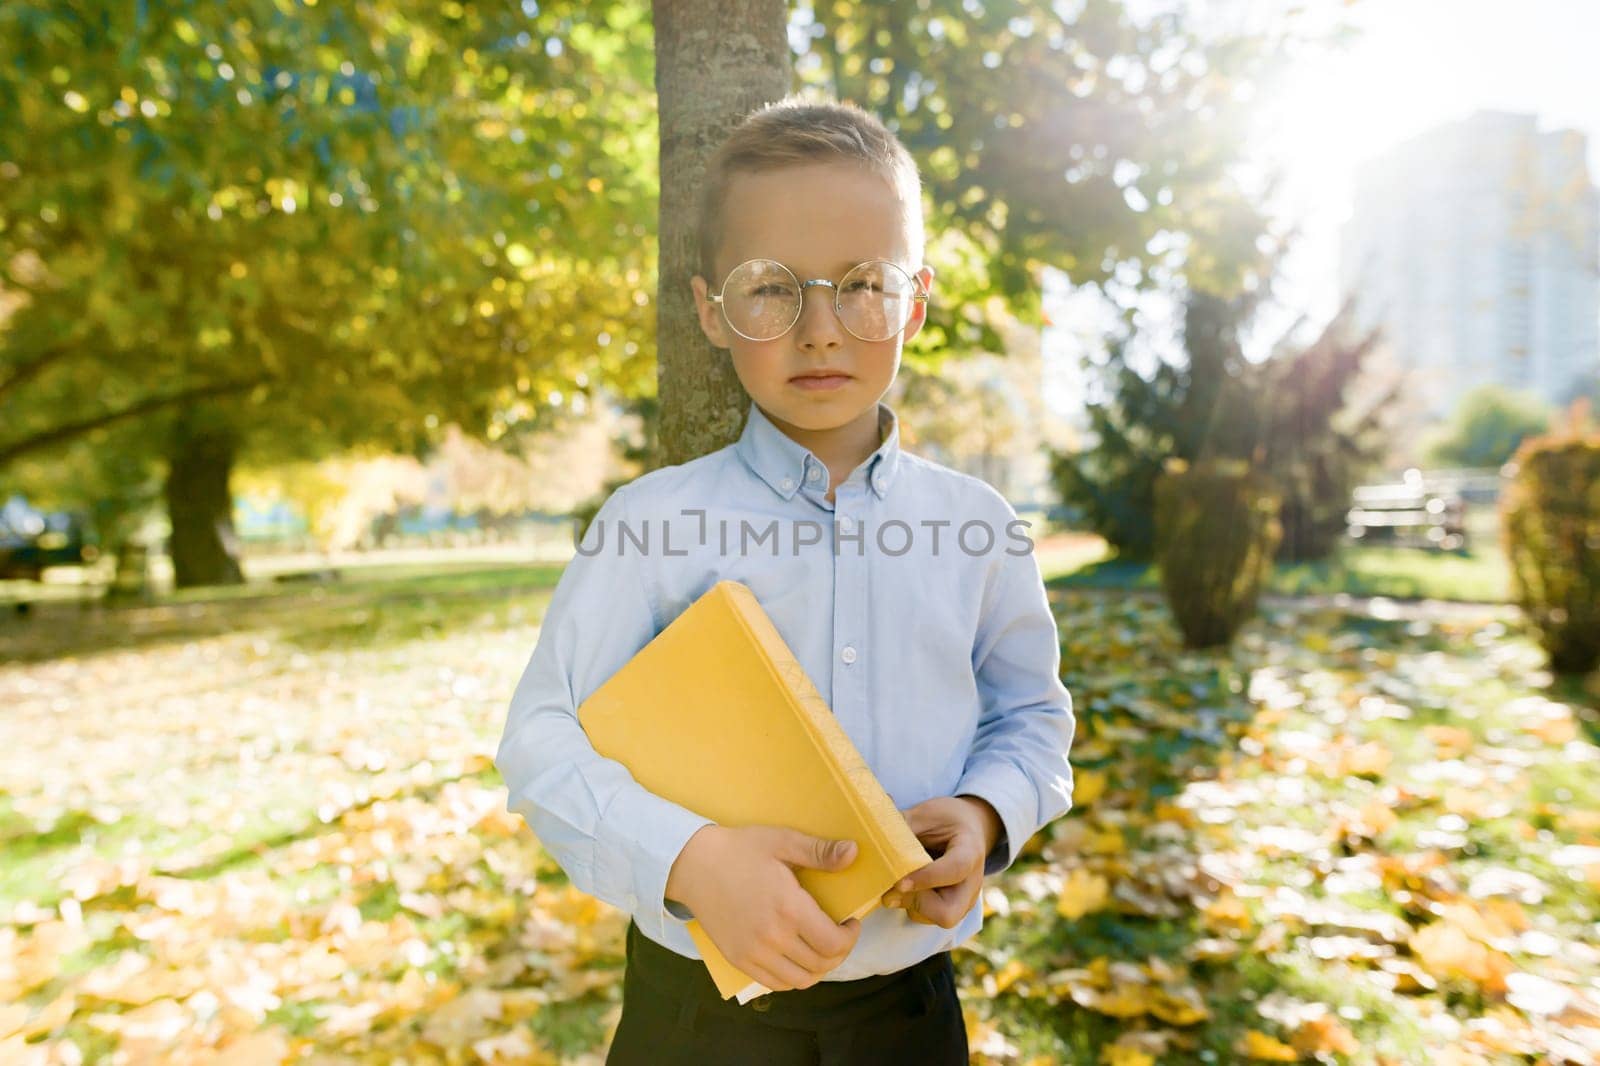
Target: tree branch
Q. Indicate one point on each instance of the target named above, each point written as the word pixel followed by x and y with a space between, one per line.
pixel 14 450
pixel 31 368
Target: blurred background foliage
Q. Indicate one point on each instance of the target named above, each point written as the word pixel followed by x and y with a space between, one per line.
pixel 270 231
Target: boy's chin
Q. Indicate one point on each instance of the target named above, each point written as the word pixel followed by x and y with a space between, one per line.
pixel 815 417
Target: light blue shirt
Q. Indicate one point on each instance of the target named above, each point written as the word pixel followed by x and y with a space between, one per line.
pixel 914 603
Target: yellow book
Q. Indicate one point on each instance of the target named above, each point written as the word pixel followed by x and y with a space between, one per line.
pixel 717 715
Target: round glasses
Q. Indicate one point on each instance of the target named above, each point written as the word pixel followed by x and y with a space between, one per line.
pixel 761 299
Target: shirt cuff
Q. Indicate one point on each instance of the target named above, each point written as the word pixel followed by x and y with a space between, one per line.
pixel 641 836
pixel 1010 792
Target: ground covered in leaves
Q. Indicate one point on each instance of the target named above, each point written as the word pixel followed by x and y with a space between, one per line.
pixel 263 832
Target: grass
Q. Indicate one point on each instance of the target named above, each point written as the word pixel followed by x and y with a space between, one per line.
pixel 323 748
pixel 1479 575
pixel 1397 573
pixel 368 607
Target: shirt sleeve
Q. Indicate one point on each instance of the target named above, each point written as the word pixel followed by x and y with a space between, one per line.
pixel 1019 759
pixel 615 839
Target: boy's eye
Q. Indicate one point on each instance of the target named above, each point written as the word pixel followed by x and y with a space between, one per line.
pixel 772 289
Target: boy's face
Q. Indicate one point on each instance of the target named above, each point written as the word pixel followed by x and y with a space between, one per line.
pixel 819 220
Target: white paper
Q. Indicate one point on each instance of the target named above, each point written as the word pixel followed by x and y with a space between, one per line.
pixel 751 991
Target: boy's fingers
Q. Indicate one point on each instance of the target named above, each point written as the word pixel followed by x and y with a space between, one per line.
pixel 913 908
pixel 951 868
pixel 789 974
pixel 920 818
pixel 825 936
pixel 934 908
pixel 763 975
pixel 808 958
pixel 816 853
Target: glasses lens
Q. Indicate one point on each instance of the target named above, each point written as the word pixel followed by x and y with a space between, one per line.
pixel 761 299
pixel 875 300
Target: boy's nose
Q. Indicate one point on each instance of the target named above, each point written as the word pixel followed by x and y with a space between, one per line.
pixel 818 327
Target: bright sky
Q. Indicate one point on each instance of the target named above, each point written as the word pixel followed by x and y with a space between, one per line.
pixel 1411 65
pixel 1415 64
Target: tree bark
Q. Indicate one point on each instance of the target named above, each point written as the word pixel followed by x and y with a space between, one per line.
pixel 715 63
pixel 199 504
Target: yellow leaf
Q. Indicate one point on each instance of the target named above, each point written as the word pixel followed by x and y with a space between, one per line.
pixel 1555 726
pixel 1491 920
pixel 1227 911
pixel 464 1019
pixel 1082 893
pixel 1087 786
pixel 1258 1045
pixel 1179 1007
pixel 1378 817
pixel 1126 1002
pixel 1318 1036
pixel 1108 841
pixel 1122 1055
pixel 1166 811
pixel 1446 951
pixel 1365 760
pixel 1450 740
pixel 1471 804
pixel 1093 748
pixel 1010 974
pixel 27 961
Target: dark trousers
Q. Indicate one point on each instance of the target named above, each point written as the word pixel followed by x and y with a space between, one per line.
pixel 672 1015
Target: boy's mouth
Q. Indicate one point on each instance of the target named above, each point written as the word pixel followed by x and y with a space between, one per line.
pixel 820 379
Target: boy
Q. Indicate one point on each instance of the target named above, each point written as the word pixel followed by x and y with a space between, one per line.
pixel 904 588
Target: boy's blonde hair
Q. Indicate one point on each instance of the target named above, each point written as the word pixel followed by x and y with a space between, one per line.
pixel 796 132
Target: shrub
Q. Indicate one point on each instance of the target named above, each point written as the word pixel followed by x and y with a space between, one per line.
pixel 1302 416
pixel 1217 528
pixel 1550 521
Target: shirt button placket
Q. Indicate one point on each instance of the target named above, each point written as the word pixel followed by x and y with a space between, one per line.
pixel 850 584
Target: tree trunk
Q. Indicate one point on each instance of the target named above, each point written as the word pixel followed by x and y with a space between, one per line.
pixel 715 63
pixel 199 504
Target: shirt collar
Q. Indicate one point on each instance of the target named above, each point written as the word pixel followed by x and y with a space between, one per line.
pixel 784 464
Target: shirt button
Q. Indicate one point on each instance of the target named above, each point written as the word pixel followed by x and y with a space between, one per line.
pixel 787 483
pixel 813 474
pixel 848 655
pixel 845 524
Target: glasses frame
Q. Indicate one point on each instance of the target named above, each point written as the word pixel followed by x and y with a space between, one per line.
pixel 920 296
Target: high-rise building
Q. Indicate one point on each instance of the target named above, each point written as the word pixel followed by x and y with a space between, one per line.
pixel 1475 246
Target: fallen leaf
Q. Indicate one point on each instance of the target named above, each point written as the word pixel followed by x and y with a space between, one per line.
pixel 1324 1035
pixel 1081 893
pixel 1255 1044
pixel 1087 786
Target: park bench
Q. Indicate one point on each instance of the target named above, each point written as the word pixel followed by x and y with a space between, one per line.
pixel 1407 514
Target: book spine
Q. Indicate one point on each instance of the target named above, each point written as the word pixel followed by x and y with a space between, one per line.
pixel 844 761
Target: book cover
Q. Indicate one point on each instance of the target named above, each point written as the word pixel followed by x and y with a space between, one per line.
pixel 717 715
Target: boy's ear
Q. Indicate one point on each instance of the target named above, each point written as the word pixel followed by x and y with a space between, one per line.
pixel 919 313
pixel 710 315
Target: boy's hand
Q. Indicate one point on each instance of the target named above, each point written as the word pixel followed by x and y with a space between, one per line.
pixel 960 831
pixel 740 884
